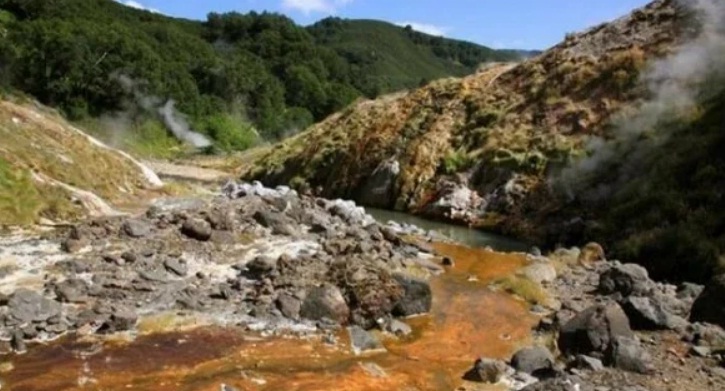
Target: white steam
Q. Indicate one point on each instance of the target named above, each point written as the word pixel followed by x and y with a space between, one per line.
pixel 180 128
pixel 676 84
pixel 173 120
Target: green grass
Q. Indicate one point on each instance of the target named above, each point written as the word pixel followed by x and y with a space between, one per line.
pixel 20 202
pixel 528 290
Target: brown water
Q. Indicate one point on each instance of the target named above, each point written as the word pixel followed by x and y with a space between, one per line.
pixel 467 321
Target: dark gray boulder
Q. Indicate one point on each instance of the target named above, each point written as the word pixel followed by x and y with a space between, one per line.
pixel 276 222
pixel 289 306
pixel 417 296
pixel 628 355
pixel 136 228
pixel 378 190
pixel 627 279
pixel 121 319
pixel 593 331
pixel 363 341
pixel 197 229
pixel 29 306
pixel 537 361
pixel 323 302
pixel 709 306
pixel 651 313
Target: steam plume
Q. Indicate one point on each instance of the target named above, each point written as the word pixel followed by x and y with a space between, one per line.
pixel 676 83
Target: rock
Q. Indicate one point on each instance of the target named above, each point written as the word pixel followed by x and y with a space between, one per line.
pixel 289 306
pixel 647 313
pixel 29 306
pixel 417 296
pixel 398 328
pixel 73 245
pixel 590 254
pixel 593 331
pixel 688 292
pixel 710 306
pixel 129 257
pixel 363 341
pixel 122 319
pixel 486 371
pixel 177 266
pixel 628 279
pixel 261 266
pixel 717 372
pixel 535 251
pixel 325 302
pixel 153 275
pixel 197 229
pixel 589 363
pixel 378 190
pixel 448 262
pixel 276 222
pixel 536 361
pixel 72 290
pixel 17 342
pixel 700 351
pixel 136 228
pixel 539 273
pixel 628 355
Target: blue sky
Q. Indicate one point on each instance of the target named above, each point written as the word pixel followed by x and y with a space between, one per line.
pixel 521 24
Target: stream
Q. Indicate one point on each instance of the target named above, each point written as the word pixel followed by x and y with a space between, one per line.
pixel 467 321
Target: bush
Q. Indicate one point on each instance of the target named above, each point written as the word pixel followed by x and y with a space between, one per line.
pixel 456 162
pixel 229 133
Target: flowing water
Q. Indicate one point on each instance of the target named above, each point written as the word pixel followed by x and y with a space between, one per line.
pixel 467 321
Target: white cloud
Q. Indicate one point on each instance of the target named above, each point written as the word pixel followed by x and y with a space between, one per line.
pixel 137 5
pixel 425 28
pixel 310 6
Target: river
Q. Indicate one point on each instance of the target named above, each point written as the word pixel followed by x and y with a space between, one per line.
pixel 470 237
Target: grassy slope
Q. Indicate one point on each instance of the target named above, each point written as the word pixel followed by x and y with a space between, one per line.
pixel 38 140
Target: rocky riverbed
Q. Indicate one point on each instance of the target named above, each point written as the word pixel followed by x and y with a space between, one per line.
pixel 265 258
pixel 615 329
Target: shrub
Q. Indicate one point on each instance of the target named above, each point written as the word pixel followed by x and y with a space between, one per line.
pixel 230 133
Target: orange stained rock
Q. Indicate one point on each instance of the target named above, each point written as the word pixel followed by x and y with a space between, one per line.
pixel 467 321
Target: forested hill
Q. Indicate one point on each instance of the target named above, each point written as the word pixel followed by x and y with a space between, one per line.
pixel 92 57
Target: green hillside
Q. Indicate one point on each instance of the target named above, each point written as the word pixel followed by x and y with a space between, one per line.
pixel 94 57
pixel 387 57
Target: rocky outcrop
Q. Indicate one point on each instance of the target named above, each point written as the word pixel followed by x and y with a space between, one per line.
pixel 379 190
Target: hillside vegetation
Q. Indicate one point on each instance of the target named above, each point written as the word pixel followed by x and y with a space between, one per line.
pixel 496 149
pixel 47 167
pixel 94 57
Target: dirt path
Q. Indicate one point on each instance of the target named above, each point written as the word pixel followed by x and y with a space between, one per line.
pixel 188 172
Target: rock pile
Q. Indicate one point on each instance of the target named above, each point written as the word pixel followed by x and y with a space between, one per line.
pixel 255 255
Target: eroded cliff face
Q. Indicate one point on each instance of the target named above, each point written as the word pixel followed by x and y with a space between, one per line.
pixel 473 149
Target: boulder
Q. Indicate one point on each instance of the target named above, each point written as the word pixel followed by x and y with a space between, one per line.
pixel 261 266
pixel 417 296
pixel 709 306
pixel 535 360
pixel 539 272
pixel 398 328
pixel 122 319
pixel 627 279
pixel 486 371
pixel 589 363
pixel 289 306
pixel 363 341
pixel 197 229
pixel 628 355
pixel 136 228
pixel 176 266
pixel 276 222
pixel 378 190
pixel 651 313
pixel 72 290
pixel 29 306
pixel 593 331
pixel 325 302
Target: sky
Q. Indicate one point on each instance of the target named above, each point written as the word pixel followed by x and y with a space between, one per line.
pixel 517 24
